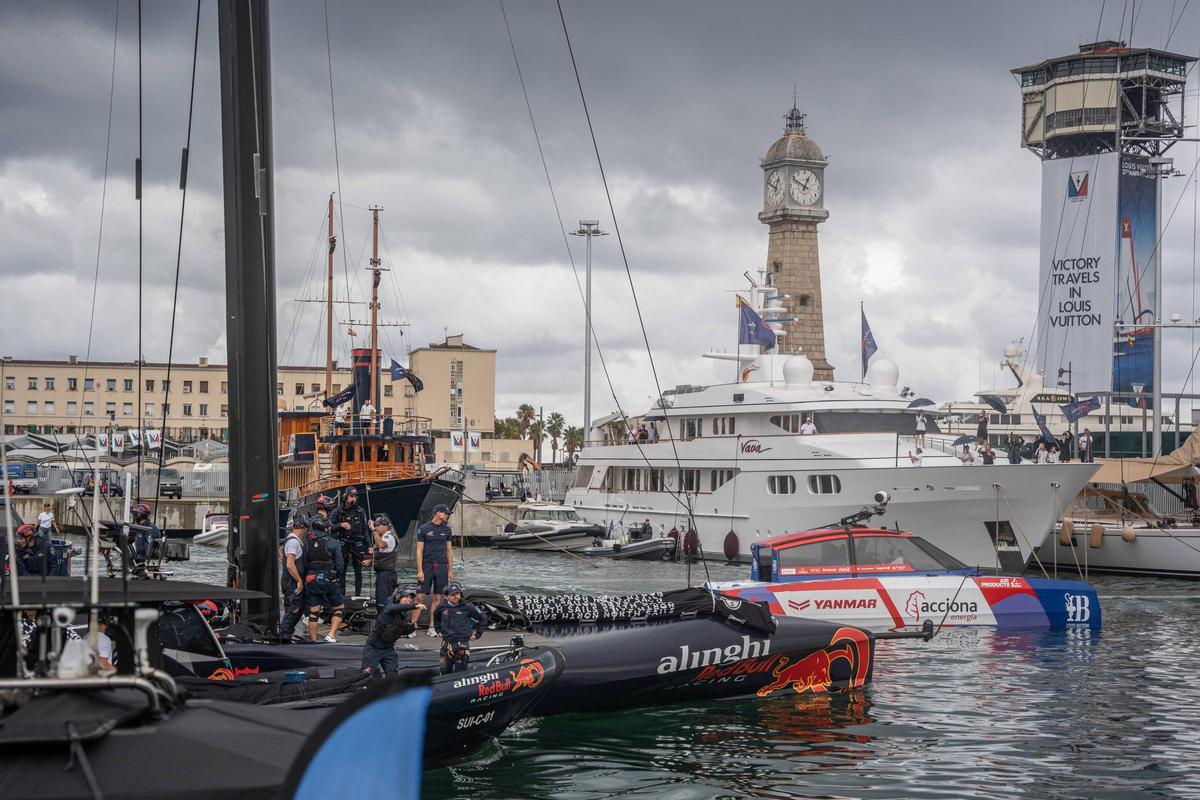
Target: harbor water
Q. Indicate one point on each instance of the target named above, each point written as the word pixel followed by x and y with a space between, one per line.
pixel 973 713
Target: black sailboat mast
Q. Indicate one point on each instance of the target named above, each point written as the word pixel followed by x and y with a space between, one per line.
pixel 250 302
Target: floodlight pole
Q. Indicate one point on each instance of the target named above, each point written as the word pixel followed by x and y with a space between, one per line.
pixel 588 228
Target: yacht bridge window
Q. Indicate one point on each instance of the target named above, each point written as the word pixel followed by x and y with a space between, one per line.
pixel 860 421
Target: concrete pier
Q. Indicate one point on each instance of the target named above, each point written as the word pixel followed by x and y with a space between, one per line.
pixel 184 517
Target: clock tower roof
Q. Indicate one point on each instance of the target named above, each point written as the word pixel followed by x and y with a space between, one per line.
pixel 795 144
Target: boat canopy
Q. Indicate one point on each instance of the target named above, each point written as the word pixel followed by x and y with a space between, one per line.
pixel 1177 465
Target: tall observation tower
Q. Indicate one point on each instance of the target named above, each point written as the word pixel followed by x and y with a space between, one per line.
pixel 793 206
pixel 1101 120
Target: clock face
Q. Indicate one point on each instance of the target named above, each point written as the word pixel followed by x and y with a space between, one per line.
pixel 805 187
pixel 775 187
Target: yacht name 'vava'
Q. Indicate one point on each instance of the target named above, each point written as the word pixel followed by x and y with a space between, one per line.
pixel 695 659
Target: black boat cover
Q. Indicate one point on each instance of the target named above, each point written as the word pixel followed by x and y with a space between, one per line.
pixel 521 611
pixel 38 592
pixel 266 689
pixel 93 715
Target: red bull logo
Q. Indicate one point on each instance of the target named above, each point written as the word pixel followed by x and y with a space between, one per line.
pixel 529 675
pixel 813 672
pixel 221 674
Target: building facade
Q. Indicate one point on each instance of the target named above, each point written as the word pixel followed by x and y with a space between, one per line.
pixel 76 396
pixel 793 207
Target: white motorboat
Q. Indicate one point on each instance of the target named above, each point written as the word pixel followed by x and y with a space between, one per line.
pixel 215 531
pixel 733 458
pixel 547 526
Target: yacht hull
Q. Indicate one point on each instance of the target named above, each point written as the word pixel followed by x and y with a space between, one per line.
pixel 1170 553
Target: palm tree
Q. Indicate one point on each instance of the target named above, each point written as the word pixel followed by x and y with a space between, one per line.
pixel 508 428
pixel 537 429
pixel 525 417
pixel 554 426
pixel 572 441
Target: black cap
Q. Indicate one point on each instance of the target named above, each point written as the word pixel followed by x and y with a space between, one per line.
pixel 441 508
pixel 352 492
pixel 382 520
pixel 299 521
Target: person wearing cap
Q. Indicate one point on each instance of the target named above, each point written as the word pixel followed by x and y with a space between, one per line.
pixel 379 653
pixel 292 577
pixel 457 622
pixel 435 560
pixel 352 529
pixel 384 555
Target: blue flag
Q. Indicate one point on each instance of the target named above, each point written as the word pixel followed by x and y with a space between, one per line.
pixel 1080 408
pixel 869 347
pixel 340 397
pixel 751 327
pixel 399 372
pixel 1047 436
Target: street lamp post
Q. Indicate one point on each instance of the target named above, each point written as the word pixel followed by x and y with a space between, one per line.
pixel 588 228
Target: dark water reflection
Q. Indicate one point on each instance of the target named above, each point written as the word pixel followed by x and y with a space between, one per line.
pixel 972 713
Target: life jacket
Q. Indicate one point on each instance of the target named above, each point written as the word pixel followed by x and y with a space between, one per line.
pixel 388 633
pixel 386 560
pixel 317 554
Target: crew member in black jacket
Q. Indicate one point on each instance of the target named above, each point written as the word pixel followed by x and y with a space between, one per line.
pixel 458 622
pixel 352 528
pixel 379 653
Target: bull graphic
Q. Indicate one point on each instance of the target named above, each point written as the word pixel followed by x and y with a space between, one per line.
pixel 222 674
pixel 812 673
pixel 529 675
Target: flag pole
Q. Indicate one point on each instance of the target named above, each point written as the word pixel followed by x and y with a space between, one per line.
pixel 862 341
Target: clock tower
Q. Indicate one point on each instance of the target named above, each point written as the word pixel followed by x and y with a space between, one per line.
pixel 793 206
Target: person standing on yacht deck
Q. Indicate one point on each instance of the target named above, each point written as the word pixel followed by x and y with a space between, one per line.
pixel 987 454
pixel 1014 445
pixel 1085 447
pixel 808 428
pixel 366 413
pixel 1040 455
pixel 653 432
pixel 981 429
pixel 919 439
pixel 339 420
pixel 435 560
pixel 967 457
pixel 918 460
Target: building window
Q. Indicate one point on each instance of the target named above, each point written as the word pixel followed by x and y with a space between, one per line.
pixel 824 484
pixel 166 387
pixel 9 407
pixel 187 387
pixel 387 411
pixel 187 409
pixel 314 387
pixel 224 410
pixel 203 387
pixel 149 384
pixel 49 406
pixel 110 385
pixel 127 409
pixel 49 382
pixel 224 387
pixel 129 384
pixel 279 389
pixel 31 406
pixel 10 382
pixel 387 390
pixel 89 408
pixel 204 409
pixel 31 384
pixel 89 384
pixel 72 407
pixel 149 409
pixel 781 484
pixel 166 411
pixel 110 408
pixel 72 384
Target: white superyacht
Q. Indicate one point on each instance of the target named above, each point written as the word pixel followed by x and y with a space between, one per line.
pixel 733 460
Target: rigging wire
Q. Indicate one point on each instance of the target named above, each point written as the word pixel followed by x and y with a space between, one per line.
pixel 1175 25
pixel 628 273
pixel 141 356
pixel 183 173
pixel 570 257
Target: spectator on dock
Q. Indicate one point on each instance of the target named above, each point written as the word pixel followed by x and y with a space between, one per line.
pixel 1085 447
pixel 435 560
pixel 919 438
pixel 1014 445
pixel 379 653
pixel 292 578
pixel 384 555
pixel 457 622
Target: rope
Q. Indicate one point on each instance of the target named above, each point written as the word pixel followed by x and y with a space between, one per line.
pixel 183 171
pixel 1000 490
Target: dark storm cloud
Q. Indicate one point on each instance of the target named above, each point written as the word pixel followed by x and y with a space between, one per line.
pixel 934 208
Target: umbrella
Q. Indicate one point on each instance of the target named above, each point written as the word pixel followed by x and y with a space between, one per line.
pixel 960 441
pixel 920 401
pixel 995 402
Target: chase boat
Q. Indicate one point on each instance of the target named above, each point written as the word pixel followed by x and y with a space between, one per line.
pixel 890 580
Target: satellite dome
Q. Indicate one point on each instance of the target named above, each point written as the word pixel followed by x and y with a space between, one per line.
pixel 883 372
pixel 1012 351
pixel 798 371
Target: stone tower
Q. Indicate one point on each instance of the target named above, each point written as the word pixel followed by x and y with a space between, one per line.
pixel 793 206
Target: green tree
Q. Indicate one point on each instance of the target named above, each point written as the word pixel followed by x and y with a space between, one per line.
pixel 508 428
pixel 573 441
pixel 555 423
pixel 537 429
pixel 525 418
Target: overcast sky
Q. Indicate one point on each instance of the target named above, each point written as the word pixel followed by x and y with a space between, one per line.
pixel 933 204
